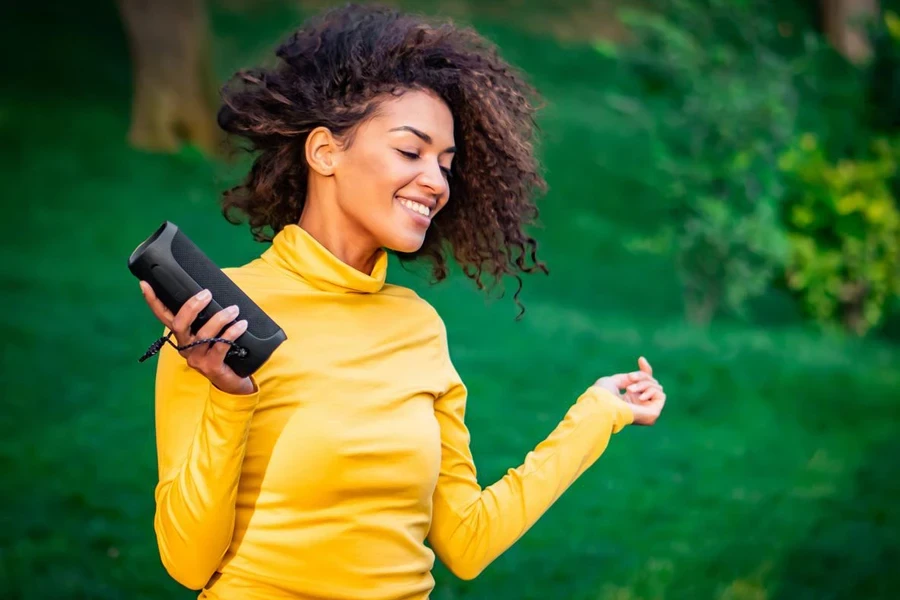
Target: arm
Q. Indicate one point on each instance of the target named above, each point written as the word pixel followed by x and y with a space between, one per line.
pixel 471 526
pixel 201 434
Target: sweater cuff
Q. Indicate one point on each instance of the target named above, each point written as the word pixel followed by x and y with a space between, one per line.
pixel 622 413
pixel 234 402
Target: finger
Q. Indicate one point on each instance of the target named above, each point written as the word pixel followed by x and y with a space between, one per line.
pixel 619 380
pixel 637 376
pixel 216 354
pixel 188 314
pixel 641 386
pixel 653 392
pixel 645 366
pixel 159 309
pixel 218 322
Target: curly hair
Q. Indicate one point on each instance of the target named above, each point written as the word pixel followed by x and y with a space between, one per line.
pixel 333 71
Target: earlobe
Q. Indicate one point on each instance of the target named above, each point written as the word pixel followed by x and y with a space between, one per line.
pixel 321 151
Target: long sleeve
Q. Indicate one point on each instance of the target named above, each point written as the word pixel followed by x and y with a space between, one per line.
pixel 201 433
pixel 471 526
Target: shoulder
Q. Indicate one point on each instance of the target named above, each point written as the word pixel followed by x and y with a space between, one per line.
pixel 420 315
pixel 416 304
pixel 423 318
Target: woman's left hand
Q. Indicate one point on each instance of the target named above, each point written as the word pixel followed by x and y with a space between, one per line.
pixel 640 389
pixel 644 387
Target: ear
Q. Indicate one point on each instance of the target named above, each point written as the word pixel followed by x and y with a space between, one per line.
pixel 322 151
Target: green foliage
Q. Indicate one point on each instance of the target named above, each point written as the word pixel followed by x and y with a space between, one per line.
pixel 840 206
pixel 844 232
pixel 721 105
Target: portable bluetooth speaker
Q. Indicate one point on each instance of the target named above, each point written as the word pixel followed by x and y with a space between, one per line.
pixel 177 269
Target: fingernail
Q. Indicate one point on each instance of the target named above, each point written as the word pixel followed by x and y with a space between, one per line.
pixel 233 310
pixel 203 295
pixel 242 324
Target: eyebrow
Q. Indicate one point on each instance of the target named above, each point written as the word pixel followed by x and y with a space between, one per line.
pixel 422 135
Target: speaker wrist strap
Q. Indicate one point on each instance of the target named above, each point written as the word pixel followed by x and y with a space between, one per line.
pixel 156 346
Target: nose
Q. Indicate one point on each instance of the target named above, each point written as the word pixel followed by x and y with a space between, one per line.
pixel 432 178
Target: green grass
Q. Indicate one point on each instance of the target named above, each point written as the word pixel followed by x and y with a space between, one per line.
pixel 771 475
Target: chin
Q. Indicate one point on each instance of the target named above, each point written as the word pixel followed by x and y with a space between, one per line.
pixel 406 242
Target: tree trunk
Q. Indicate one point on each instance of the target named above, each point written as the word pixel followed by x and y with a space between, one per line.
pixel 853 301
pixel 845 22
pixel 174 97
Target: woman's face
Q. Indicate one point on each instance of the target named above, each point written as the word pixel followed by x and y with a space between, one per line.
pixel 394 177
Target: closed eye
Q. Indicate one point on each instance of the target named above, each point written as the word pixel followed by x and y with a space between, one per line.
pixel 413 156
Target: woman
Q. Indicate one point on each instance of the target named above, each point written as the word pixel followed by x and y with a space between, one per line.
pixel 323 474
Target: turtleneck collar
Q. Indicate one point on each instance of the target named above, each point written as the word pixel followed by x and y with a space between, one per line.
pixel 295 250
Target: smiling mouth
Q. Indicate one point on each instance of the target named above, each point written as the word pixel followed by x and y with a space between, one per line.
pixel 416 207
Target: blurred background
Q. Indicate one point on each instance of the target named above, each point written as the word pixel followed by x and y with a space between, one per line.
pixel 723 200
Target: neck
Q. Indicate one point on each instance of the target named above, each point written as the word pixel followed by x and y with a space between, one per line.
pixel 323 218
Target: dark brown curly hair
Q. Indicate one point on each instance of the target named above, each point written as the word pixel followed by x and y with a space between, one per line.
pixel 331 73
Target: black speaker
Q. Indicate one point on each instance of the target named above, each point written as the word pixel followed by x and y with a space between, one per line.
pixel 177 270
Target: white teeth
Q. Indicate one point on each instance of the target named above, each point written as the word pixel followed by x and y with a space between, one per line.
pixel 419 208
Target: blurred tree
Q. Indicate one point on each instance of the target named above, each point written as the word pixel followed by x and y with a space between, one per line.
pixel 844 22
pixel 883 105
pixel 174 99
pixel 720 105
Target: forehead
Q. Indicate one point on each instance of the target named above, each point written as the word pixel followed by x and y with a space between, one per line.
pixel 422 110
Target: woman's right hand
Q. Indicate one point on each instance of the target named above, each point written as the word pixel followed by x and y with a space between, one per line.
pixel 209 361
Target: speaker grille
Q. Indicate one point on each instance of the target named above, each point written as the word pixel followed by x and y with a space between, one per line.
pixel 224 290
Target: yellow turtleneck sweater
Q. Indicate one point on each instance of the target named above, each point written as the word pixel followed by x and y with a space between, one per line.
pixel 326 483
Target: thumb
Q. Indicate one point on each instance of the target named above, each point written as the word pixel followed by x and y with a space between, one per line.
pixel 645 366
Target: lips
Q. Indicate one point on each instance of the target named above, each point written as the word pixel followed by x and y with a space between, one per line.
pixel 419 212
pixel 429 202
pixel 416 206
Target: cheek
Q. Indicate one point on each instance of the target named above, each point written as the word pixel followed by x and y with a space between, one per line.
pixel 397 172
pixel 443 202
pixel 387 174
